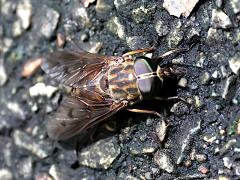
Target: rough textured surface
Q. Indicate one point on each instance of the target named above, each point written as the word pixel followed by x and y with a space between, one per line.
pixel 197 136
pixel 24 141
pixel 3 75
pixel 164 161
pixel 179 7
pixel 101 154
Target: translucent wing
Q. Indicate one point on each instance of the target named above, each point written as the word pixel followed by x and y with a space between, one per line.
pixel 74 68
pixel 78 114
pixel 86 107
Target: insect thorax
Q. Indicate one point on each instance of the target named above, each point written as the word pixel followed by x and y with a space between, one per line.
pixel 123 81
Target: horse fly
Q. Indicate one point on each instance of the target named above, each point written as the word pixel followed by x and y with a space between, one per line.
pixel 101 86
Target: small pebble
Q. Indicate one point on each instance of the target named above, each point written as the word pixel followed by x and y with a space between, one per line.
pixel 179 7
pixel 188 163
pixel 234 64
pixel 224 71
pixel 203 169
pixel 193 154
pixel 149 121
pixel 194 86
pixel 143 148
pixel 116 27
pixel 104 7
pixel 218 3
pixel 25 167
pixel 164 161
pixel 17 109
pixel 183 82
pixel 86 3
pixel 58 173
pixel 40 89
pixel 84 37
pixel 179 109
pixel 237 170
pixel 228 87
pixel 48 22
pixel 3 74
pixel 24 12
pixel 92 47
pixel 222 132
pixel 227 146
pixel 220 19
pixel 201 158
pixel 175 37
pixel 139 14
pixel 42 176
pixel 179 60
pixel 162 28
pixel 209 139
pixel 5 45
pixel 6 174
pixel 34 107
pixel 17 28
pixel 137 42
pixel 7 7
pixel 100 154
pixel 82 13
pixel 227 162
pixel 222 177
pixel 201 60
pixel 143 136
pixel 60 40
pixel 1 30
pixel 127 176
pixel 198 102
pixel 238 127
pixel 31 66
pixel 38 148
pixel 186 142
pixel 120 3
pixel 235 6
pixel 216 74
pixel 161 129
pixel 155 170
pixel 148 175
pixel 205 78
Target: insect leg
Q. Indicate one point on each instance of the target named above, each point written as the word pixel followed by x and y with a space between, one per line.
pixel 173 98
pixel 144 111
pixel 138 51
pixel 175 50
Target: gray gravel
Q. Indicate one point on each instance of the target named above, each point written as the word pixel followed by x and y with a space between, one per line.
pixel 101 154
pixel 48 23
pixel 38 148
pixel 3 75
pixel 164 161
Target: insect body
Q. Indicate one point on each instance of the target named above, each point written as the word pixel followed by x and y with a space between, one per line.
pixel 101 86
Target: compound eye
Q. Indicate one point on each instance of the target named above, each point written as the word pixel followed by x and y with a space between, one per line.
pixel 141 66
pixel 145 85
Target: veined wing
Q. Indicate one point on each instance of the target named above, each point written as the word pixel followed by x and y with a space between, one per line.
pixel 74 68
pixel 75 115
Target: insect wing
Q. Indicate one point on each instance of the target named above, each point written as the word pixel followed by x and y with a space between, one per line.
pixel 75 115
pixel 74 68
